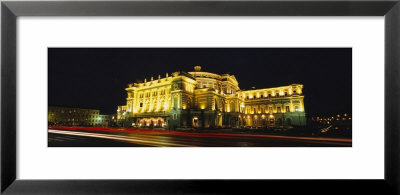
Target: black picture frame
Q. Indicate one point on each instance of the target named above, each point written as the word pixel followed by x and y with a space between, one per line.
pixel 11 10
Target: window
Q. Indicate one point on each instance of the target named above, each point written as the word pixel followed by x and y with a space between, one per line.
pixel 262 96
pixel 174 116
pixel 285 93
pixel 296 108
pixel 279 109
pixel 287 109
pixel 255 110
pixel 141 104
pixel 270 110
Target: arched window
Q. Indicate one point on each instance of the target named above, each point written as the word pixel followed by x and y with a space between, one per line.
pixel 188 103
pixel 288 122
pixel 279 122
pixel 175 102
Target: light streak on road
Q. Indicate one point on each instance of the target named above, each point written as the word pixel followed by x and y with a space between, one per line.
pixel 326 129
pixel 165 138
pixel 120 138
pixel 204 134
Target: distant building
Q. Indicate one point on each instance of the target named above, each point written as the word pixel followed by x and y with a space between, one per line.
pixel 207 100
pixel 76 116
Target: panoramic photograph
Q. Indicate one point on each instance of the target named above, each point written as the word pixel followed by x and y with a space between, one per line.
pixel 199 97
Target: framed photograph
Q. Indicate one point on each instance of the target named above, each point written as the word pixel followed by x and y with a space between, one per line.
pixel 196 107
pixel 199 97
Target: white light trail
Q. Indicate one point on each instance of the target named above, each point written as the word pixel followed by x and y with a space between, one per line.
pixel 118 137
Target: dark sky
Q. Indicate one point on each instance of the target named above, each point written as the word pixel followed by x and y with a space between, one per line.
pixel 97 77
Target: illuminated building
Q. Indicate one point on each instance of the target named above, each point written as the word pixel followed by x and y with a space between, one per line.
pixel 206 100
pixel 76 116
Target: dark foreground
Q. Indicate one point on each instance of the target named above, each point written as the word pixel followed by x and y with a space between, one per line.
pixel 68 137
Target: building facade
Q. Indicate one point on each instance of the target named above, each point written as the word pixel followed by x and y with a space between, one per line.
pixel 201 99
pixel 76 117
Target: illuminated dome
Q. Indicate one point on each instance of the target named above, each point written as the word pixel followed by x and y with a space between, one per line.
pixel 223 83
pixel 197 68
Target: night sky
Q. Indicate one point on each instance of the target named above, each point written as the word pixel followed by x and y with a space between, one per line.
pixel 97 77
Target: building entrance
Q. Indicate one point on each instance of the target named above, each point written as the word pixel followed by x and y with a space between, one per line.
pixel 195 122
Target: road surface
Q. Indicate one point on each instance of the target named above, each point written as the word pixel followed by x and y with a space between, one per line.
pixel 76 137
